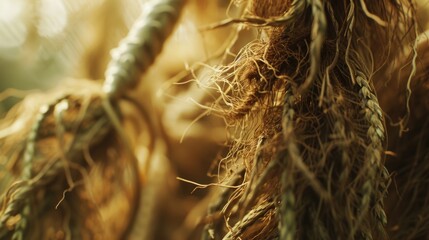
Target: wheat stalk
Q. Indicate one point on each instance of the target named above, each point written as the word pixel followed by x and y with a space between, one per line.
pixel 28 158
pixel 287 223
pixel 373 188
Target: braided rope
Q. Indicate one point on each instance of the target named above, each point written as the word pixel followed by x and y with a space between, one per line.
pixel 141 46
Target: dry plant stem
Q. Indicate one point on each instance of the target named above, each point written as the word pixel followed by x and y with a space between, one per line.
pixel 22 200
pixel 30 148
pixel 142 45
pixel 374 17
pixel 248 220
pixel 250 192
pixel 339 131
pixel 297 8
pixel 210 228
pixel 254 187
pixel 413 72
pixel 287 222
pixel 349 36
pixel 318 35
pixel 373 189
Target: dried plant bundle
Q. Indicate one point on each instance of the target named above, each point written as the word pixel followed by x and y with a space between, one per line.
pixel 311 113
pixel 308 127
pixel 69 169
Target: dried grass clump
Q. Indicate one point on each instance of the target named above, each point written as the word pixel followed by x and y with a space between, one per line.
pixel 68 163
pixel 66 173
pixel 327 117
pixel 307 126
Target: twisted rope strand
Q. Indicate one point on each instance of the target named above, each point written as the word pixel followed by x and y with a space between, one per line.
pixel 141 46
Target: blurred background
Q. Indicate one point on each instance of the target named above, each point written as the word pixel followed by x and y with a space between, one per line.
pixel 41 41
pixel 44 41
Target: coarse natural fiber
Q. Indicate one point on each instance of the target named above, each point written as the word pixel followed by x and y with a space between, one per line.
pixel 306 123
pixel 326 109
pixel 64 176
